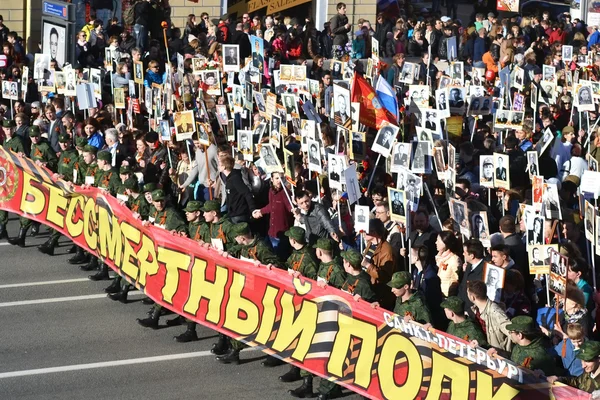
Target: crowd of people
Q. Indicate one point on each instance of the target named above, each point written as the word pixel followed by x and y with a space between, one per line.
pixel 468 213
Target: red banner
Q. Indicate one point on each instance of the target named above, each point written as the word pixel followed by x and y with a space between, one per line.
pixel 372 352
pixel 372 112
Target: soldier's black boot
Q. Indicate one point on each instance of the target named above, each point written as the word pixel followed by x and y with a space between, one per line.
pixel 221 346
pixel 271 361
pixel 114 287
pixel 20 239
pixel 35 229
pixel 90 266
pixel 178 320
pixel 121 295
pixel 152 320
pixel 79 257
pixel 147 300
pixel 232 356
pixel 73 249
pixel 102 274
pixel 3 233
pixel 304 390
pixel 189 335
pixel 333 394
pixel 292 375
pixel 48 247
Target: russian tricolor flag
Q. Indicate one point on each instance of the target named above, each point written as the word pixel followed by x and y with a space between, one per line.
pixel 387 96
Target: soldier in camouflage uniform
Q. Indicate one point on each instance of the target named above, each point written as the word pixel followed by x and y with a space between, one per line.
pixel 460 325
pixel 529 351
pixel 589 380
pixel 409 305
pixel 67 159
pixel 331 271
pixel 43 155
pixel 217 229
pixel 13 143
pixel 249 247
pixel 165 217
pixel 301 262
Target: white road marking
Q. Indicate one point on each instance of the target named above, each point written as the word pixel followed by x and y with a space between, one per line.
pixel 4 244
pixel 27 284
pixel 59 299
pixel 107 364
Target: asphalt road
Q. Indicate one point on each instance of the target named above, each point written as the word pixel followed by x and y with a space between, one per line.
pixel 61 338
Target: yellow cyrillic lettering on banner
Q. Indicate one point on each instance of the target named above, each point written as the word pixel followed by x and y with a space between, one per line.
pixel 353 328
pixel 35 206
pixel 200 288
pixel 485 389
pixel 459 375
pixel 302 288
pixel 56 201
pixel 268 316
pixel 304 325
pixel 109 237
pixel 174 261
pixel 129 263
pixel 75 229
pixel 90 224
pixel 147 259
pixel 236 304
pixel 394 344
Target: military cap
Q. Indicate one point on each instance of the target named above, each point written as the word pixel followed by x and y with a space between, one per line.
pixel 88 148
pixel 150 187
pixel 211 205
pixel 454 304
pixel 64 138
pixel 131 184
pixel 399 279
pixel 352 256
pixel 34 131
pixel 193 206
pixel 296 233
pixel 105 156
pixel 240 229
pixel 488 161
pixel 589 350
pixel 125 169
pixel 8 123
pixel 323 244
pixel 522 323
pixel 81 142
pixel 151 137
pixel 158 195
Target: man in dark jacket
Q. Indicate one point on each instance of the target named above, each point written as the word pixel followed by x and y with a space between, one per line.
pixel 435 38
pixel 240 37
pixel 340 26
pixel 325 40
pixel 240 202
pixel 480 46
pixel 381 29
pixel 142 19
pixel 315 218
pixel 473 253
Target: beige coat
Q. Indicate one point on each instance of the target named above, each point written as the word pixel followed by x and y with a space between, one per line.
pixel 448 264
pixel 495 325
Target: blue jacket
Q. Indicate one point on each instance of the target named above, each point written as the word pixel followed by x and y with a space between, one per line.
pixel 593 39
pixel 570 361
pixel 96 140
pixel 479 49
pixel 152 77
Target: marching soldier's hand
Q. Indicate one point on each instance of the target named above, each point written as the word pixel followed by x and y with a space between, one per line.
pixel 225 254
pixel 322 284
pixel 206 245
pixel 427 326
pixel 256 263
pixel 137 215
pixel 492 352
pixel 473 344
pixel 20 154
pixel 375 305
pixel 552 379
pixel 269 266
pixel 357 297
pixel 146 223
pixel 408 318
pixel 121 202
pixel 173 232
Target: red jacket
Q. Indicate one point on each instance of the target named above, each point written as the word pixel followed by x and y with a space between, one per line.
pixel 294 49
pixel 558 36
pixel 280 211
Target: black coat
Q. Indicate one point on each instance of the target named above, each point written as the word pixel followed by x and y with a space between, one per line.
pixel 240 202
pixel 470 275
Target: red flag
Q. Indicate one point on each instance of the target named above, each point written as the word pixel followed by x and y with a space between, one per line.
pixel 372 112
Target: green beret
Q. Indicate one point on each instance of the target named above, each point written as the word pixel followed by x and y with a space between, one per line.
pixel 88 148
pixel 193 206
pixel 125 169
pixel 105 156
pixel 589 350
pixel 454 304
pixel 150 187
pixel 158 195
pixel 8 123
pixel 131 184
pixel 399 279
pixel 81 142
pixel 240 229
pixel 211 205
pixel 297 233
pixel 34 131
pixel 353 257
pixel 323 244
pixel 522 323
pixel 64 138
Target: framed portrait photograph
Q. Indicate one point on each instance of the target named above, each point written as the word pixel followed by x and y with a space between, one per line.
pixel 54 43
pixel 358 145
pixel 314 156
pixel 212 80
pixel 341 103
pixel 138 72
pixel 442 102
pixel 551 202
pixel 558 272
pixel 384 139
pixel 401 157
pixel 590 219
pixel 231 59
pixel 502 171
pixel 269 157
pixel 421 160
pixel 397 204
pixel 535 229
pixel 336 166
pixel 494 281
pixel 185 125
pixel 480 227
pixel 458 212
pixel 361 218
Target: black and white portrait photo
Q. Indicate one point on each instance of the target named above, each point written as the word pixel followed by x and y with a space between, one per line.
pixel 53 42
pixel 314 156
pixel 407 73
pixel 502 178
pixel 421 160
pixel 341 114
pixel 400 157
pixel 486 171
pixel 532 163
pixel 457 99
pixel 41 65
pixel 245 142
pixel 590 218
pixel 442 102
pixel 457 72
pixel 290 104
pixel 494 281
pixel 335 167
pixel 438 162
pixel 567 53
pixel 267 153
pixel 275 133
pixel 551 202
pixel 397 205
pixel 480 228
pixel 231 59
pixel 384 139
pixel 585 100
pixel 535 229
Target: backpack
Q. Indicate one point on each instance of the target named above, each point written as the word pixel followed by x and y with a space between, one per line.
pixel 129 14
